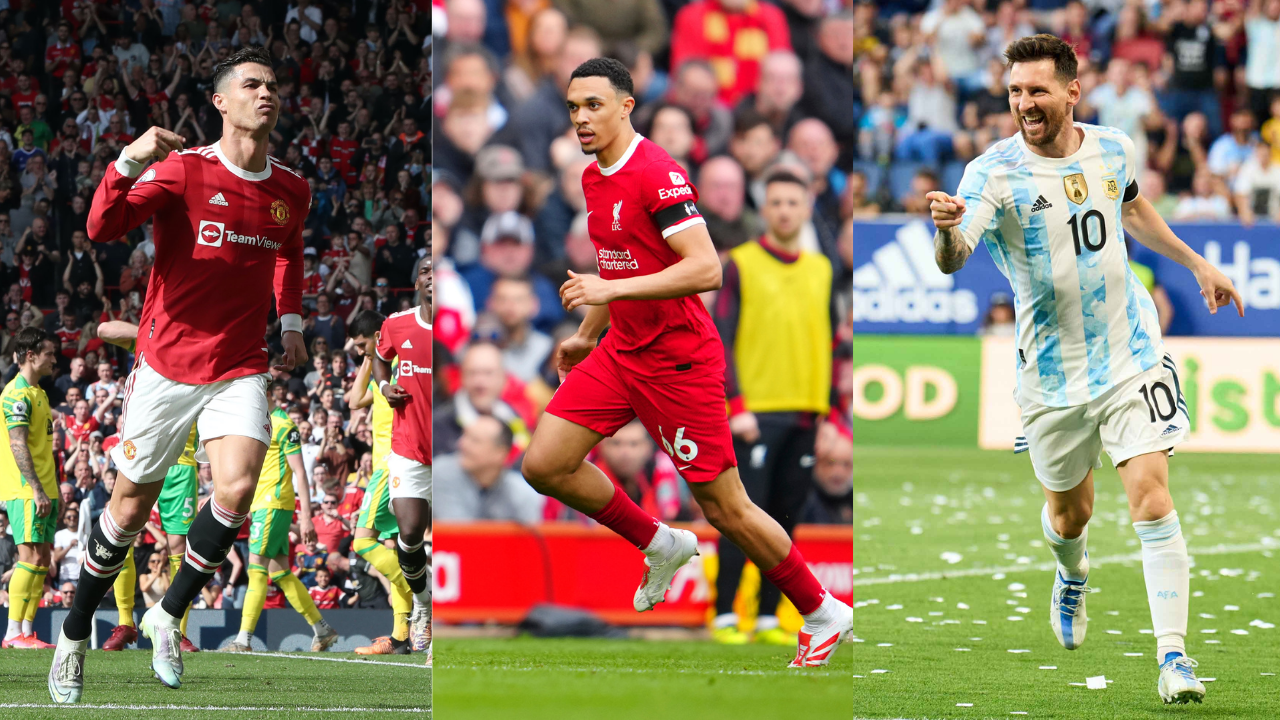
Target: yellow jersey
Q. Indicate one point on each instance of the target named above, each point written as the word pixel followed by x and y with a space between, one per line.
pixel 275 485
pixel 380 424
pixel 189 452
pixel 26 405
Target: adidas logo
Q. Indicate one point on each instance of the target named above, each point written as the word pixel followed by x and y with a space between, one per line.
pixel 219 200
pixel 1170 429
pixel 1040 204
pixel 407 345
pixel 902 283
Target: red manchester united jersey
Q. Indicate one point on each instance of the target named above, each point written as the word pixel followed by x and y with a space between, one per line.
pixel 406 341
pixel 224 238
pixel 632 208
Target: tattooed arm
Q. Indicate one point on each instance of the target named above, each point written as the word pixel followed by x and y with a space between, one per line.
pixel 950 249
pixel 27 467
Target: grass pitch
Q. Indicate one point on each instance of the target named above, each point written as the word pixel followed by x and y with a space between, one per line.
pixel 120 685
pixel 535 679
pixel 954 576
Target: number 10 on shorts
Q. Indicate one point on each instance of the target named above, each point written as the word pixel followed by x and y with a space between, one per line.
pixel 684 449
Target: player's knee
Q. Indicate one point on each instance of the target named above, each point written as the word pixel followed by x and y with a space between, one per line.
pixel 1152 502
pixel 1069 521
pixel 542 471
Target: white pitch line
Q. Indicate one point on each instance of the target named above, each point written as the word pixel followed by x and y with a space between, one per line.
pixel 765 673
pixel 288 656
pixel 1046 566
pixel 218 708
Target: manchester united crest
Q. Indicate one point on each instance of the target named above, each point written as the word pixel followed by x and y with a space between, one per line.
pixel 130 450
pixel 279 212
pixel 395 481
pixel 1077 190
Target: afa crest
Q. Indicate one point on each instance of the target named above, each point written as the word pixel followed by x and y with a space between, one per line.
pixel 1111 187
pixel 1077 190
pixel 279 212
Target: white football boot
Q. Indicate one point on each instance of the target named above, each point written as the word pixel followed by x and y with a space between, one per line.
pixel 325 637
pixel 817 643
pixel 162 630
pixel 66 676
pixel 1066 610
pixel 1178 683
pixel 657 578
pixel 419 627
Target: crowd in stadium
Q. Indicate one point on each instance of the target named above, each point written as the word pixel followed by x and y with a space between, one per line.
pixel 81 80
pixel 1196 84
pixel 737 92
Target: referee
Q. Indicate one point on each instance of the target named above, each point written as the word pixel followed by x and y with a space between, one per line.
pixel 774 313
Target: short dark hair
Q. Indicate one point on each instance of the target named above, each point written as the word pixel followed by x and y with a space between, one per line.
pixel 29 339
pixel 785 176
pixel 748 119
pixel 610 69
pixel 246 54
pixel 365 324
pixel 1045 47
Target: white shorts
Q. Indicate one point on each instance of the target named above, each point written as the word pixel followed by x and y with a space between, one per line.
pixel 1141 414
pixel 409 478
pixel 157 415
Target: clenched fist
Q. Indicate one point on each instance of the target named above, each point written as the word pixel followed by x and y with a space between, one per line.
pixel 947 210
pixel 156 143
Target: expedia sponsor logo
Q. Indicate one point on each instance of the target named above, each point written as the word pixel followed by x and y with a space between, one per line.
pixel 664 193
pixel 617 260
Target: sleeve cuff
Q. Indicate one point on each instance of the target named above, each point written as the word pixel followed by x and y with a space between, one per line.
pixel 290 322
pixel 127 167
pixel 737 406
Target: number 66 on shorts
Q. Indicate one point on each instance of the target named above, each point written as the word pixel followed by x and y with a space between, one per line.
pixel 1141 414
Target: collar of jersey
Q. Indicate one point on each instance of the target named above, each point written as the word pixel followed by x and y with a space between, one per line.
pixel 1057 162
pixel 635 143
pixel 238 171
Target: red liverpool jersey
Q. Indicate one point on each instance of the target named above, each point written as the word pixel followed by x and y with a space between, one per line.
pixel 633 207
pixel 406 340
pixel 224 238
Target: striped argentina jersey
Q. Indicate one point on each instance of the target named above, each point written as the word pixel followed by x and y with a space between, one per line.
pixel 1053 227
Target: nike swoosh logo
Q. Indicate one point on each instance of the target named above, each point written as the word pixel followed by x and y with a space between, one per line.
pixel 685 467
pixel 589 214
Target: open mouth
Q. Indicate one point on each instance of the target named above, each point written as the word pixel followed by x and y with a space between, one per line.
pixel 586 136
pixel 1033 121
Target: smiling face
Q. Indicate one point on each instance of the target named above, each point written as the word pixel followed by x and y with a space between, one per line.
pixel 597 111
pixel 249 98
pixel 1040 101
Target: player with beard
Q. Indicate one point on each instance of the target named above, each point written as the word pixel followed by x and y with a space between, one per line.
pixel 1052 204
pixel 226 216
pixel 661 361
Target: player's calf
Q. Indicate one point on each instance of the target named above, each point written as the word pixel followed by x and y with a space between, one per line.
pixel 211 535
pixel 104 556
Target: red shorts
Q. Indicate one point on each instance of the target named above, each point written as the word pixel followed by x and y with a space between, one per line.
pixel 687 419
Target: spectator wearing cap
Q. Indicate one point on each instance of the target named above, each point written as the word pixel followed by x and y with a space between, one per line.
pixel 495 187
pixel 734 35
pixel 478 483
pixel 506 250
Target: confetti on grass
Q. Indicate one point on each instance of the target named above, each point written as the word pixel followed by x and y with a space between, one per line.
pixel 1048 667
pixel 1098 682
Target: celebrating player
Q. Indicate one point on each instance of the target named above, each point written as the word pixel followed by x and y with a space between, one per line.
pixel 662 361
pixel 269 546
pixel 406 337
pixel 1052 203
pixel 29 481
pixel 376 521
pixel 228 230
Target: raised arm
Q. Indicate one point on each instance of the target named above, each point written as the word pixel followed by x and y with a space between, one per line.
pixel 360 396
pixel 120 205
pixel 963 219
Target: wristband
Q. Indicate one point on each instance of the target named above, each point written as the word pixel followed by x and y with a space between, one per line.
pixel 382 387
pixel 128 166
pixel 290 322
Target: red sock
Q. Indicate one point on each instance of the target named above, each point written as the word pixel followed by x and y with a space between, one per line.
pixel 626 518
pixel 796 581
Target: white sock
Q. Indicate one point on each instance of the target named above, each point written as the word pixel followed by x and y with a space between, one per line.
pixel 663 542
pixel 1167 570
pixel 825 612
pixel 1071 554
pixel 26 627
pixel 243 637
pixel 766 622
pixel 319 626
pixel 726 620
pixel 15 630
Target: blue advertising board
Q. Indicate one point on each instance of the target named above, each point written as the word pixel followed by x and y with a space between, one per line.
pixel 897 288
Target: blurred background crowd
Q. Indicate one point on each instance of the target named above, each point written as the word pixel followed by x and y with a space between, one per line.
pixel 1195 83
pixel 736 91
pixel 79 80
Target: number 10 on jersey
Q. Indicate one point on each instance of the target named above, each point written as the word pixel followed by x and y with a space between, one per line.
pixel 1081 235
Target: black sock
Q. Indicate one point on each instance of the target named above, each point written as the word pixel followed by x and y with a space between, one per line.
pixel 210 537
pixel 413 563
pixel 105 554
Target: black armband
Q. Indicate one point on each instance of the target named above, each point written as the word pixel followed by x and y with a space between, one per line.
pixel 677 217
pixel 1131 192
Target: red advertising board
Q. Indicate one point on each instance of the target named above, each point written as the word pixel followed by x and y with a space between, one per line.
pixel 497 571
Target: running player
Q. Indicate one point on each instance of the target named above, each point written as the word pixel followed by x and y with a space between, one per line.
pixel 269 547
pixel 376 522
pixel 406 337
pixel 228 227
pixel 1052 204
pixel 29 481
pixel 662 360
